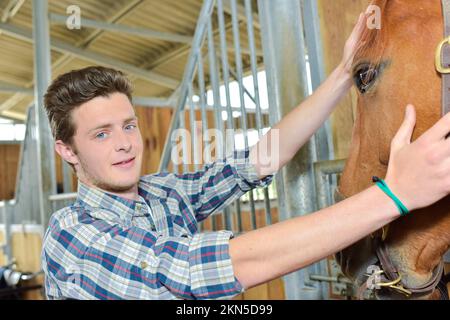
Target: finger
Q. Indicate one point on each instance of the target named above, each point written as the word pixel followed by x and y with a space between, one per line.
pixel 439 131
pixel 404 134
pixel 358 28
pixel 354 40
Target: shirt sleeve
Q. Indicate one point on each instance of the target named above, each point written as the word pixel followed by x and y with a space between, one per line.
pixel 220 183
pixel 134 263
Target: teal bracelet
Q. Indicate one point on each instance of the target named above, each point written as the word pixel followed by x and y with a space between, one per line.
pixel 383 186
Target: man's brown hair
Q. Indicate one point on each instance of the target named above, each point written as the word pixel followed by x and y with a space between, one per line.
pixel 70 90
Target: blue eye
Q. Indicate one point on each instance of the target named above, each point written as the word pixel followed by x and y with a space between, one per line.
pixel 101 135
pixel 130 127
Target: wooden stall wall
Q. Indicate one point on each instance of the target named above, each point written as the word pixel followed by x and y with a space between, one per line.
pixel 9 159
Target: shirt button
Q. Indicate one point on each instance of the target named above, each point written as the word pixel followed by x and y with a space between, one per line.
pixel 144 265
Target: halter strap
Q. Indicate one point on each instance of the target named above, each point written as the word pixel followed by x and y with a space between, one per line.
pixel 444 55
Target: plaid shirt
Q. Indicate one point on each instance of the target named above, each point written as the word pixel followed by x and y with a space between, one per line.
pixel 107 247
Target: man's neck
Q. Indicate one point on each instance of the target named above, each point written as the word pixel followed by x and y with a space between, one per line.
pixel 130 194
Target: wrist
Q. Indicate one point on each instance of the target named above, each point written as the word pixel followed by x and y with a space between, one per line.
pixel 387 206
pixel 343 76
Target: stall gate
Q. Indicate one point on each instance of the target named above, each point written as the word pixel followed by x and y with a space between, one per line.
pixel 237 92
pixel 224 87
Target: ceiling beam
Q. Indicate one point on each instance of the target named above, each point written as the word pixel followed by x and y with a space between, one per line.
pixel 140 32
pixel 9 88
pixel 14 115
pixel 65 58
pixel 11 9
pixel 94 57
pixel 182 50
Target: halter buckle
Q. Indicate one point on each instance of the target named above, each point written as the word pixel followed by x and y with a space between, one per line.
pixel 438 59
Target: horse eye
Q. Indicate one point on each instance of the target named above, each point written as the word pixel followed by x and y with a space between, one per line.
pixel 365 77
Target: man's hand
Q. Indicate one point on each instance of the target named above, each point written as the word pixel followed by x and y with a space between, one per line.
pixel 353 43
pixel 419 172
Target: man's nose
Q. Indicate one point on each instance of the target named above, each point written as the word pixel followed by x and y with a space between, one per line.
pixel 122 142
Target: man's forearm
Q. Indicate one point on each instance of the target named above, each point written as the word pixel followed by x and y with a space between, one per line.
pixel 296 128
pixel 268 253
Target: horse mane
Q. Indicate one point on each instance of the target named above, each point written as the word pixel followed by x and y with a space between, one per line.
pixel 373 41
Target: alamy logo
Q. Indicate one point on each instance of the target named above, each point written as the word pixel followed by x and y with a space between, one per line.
pixel 373 17
pixel 74 19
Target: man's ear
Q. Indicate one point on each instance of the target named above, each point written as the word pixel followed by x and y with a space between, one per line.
pixel 66 152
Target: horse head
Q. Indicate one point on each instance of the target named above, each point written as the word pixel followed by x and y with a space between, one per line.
pixel 394 67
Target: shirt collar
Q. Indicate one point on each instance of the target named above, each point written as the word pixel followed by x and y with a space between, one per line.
pixel 119 206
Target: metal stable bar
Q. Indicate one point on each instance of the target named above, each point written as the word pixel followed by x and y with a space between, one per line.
pixel 254 65
pixel 239 72
pixel 322 170
pixel 239 68
pixel 184 145
pixel 226 79
pixel 214 76
pixel 204 18
pixel 239 216
pixel 323 136
pixel 284 56
pixel 27 206
pixel 42 74
pixel 140 32
pixel 193 125
pixel 225 67
pixel 246 92
pixel 224 108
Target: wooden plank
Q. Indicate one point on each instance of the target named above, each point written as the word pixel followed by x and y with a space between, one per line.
pixel 9 160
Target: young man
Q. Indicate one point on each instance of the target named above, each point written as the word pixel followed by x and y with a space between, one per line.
pixel 132 237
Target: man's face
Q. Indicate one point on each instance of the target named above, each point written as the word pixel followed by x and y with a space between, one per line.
pixel 108 143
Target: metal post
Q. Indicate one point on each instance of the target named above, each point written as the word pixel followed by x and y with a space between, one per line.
pixel 204 18
pixel 254 66
pixel 240 80
pixel 323 137
pixel 230 145
pixel 42 75
pixel 184 144
pixel 284 56
pixel 193 125
pixel 204 116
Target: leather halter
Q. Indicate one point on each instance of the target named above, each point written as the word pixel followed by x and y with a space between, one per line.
pixel 443 58
pixel 390 277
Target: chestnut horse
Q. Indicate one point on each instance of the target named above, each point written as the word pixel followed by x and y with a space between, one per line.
pixel 394 67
